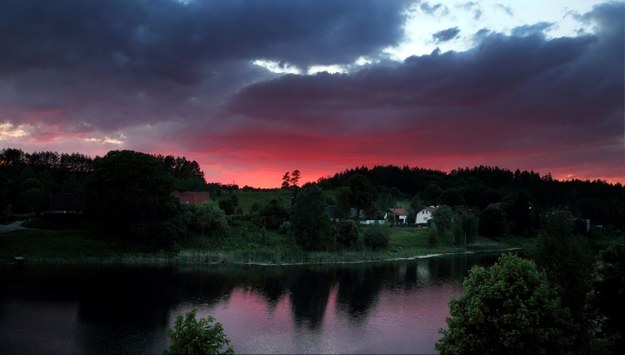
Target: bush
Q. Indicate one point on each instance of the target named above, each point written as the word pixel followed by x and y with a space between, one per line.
pixel 274 214
pixel 507 309
pixel 347 234
pixel 191 336
pixel 464 229
pixel 376 237
pixel 210 220
pixel 432 237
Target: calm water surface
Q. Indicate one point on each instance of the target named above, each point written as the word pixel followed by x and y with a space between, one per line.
pixel 391 307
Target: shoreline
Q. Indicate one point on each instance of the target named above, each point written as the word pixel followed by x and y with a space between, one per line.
pixel 155 260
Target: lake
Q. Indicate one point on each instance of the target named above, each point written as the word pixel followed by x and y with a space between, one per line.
pixel 385 307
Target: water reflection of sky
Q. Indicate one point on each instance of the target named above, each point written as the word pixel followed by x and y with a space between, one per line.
pixel 401 321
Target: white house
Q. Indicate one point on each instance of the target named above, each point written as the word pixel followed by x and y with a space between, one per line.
pixel 425 215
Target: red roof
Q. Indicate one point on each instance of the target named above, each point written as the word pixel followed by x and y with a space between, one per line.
pixel 192 197
pixel 398 211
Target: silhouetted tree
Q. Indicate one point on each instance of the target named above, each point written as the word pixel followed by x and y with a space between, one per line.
pixel 567 259
pixel 359 194
pixel 310 223
pixel 286 180
pixel 295 176
pixel 128 193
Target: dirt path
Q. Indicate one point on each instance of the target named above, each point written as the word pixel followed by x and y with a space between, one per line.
pixel 4 228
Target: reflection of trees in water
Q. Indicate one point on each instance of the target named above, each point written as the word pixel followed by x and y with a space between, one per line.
pixel 358 291
pixel 272 289
pixel 456 267
pixel 309 297
pixel 447 268
pixel 127 296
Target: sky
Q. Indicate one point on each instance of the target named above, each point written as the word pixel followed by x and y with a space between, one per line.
pixel 252 89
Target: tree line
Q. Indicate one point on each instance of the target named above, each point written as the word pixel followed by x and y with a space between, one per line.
pixel 601 202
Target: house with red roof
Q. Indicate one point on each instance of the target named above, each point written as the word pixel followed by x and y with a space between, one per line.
pixel 397 215
pixel 194 198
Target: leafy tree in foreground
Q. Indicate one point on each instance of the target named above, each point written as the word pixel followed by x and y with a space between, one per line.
pixel 610 288
pixel 507 309
pixel 191 336
pixel 567 260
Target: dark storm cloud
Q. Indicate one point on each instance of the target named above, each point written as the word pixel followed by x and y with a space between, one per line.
pixel 446 35
pixel 523 90
pixel 169 38
pixel 117 63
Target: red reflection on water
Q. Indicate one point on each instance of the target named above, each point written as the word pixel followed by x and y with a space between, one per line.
pixel 401 321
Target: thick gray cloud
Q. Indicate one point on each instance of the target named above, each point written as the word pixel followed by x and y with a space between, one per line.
pixel 446 35
pixel 119 63
pixel 173 40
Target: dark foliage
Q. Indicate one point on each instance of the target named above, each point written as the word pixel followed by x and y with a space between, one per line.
pixel 376 237
pixel 601 202
pixel 274 214
pixel 509 308
pixel 347 234
pixel 610 289
pixel 492 223
pixel 310 223
pixel 128 193
pixel 203 336
pixel 567 260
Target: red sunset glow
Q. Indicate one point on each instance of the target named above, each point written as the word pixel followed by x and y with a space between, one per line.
pixel 251 102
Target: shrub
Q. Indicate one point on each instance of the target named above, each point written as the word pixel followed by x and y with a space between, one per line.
pixel 464 229
pixel 376 237
pixel 191 336
pixel 347 235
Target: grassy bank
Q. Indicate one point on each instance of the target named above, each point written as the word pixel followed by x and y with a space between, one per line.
pixel 243 246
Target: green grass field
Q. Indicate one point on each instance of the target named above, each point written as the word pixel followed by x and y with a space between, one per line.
pixel 248 198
